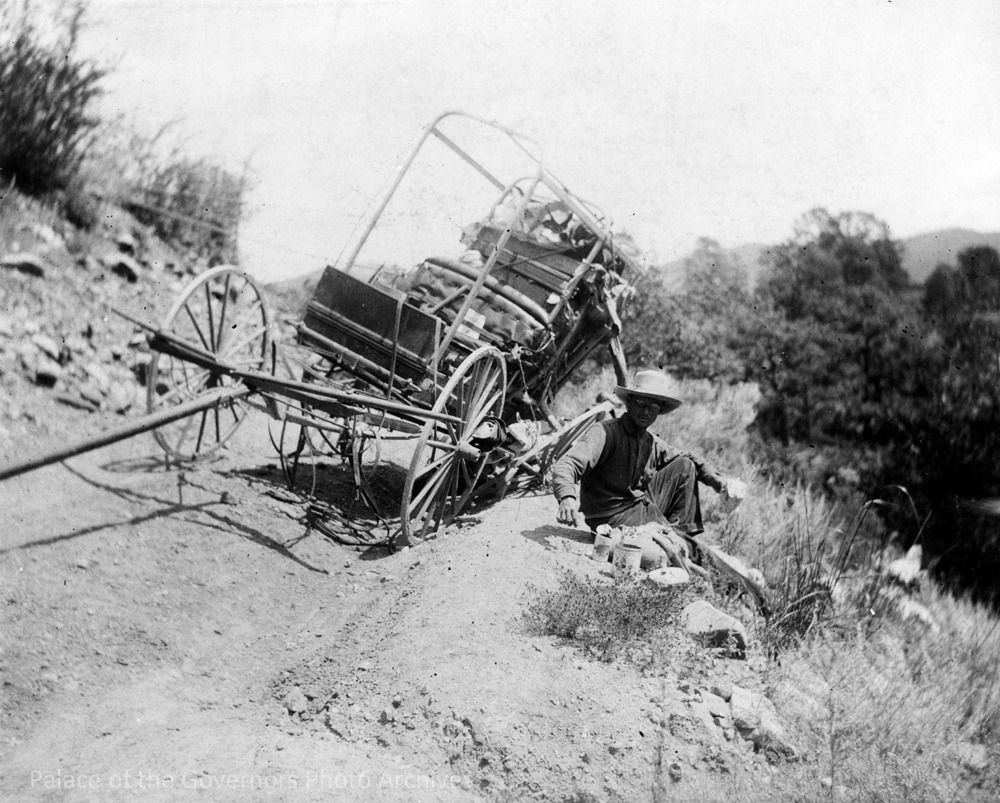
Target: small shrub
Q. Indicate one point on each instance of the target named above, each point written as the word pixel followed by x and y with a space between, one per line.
pixel 627 618
pixel 47 92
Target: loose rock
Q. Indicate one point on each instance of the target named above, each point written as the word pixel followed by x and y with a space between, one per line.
pixel 47 345
pixel 123 265
pixel 296 701
pixel 23 263
pixel 713 628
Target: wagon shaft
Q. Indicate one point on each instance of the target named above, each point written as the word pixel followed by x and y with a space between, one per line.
pixel 213 399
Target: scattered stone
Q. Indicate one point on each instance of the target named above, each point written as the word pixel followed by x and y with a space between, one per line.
pixel 99 374
pixel 91 394
pixel 126 243
pixel 700 713
pixel 123 265
pixel 79 402
pixel 23 263
pixel 46 345
pixel 121 396
pixel 972 756
pixel 756 720
pixel 771 739
pixel 47 371
pixel 296 701
pixel 717 705
pixel 669 576
pixel 746 707
pixel 386 717
pixel 77 344
pixel 713 628
pixel 723 689
pixel 46 234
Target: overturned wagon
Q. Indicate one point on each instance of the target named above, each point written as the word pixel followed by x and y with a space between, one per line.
pixel 459 354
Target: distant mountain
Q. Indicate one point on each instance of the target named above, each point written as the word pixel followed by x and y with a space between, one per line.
pixel 921 254
pixel 924 252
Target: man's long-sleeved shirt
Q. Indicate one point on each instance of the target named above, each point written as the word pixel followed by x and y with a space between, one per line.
pixel 613 463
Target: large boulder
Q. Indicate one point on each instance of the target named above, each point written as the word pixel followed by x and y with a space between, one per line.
pixel 756 720
pixel 713 628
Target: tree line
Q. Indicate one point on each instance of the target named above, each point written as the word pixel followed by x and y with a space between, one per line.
pixel 869 384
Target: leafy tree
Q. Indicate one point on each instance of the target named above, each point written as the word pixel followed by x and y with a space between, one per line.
pixel 825 348
pixel 980 267
pixel 972 285
pixel 945 291
pixel 694 332
pixel 850 361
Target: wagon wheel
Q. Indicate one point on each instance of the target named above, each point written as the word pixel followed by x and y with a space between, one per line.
pixel 449 458
pixel 222 312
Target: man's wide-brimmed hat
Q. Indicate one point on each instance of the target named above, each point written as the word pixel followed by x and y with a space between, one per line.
pixel 651 385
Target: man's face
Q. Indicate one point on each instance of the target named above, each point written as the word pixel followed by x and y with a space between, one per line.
pixel 642 410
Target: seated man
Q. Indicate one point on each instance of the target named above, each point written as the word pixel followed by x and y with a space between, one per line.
pixel 630 477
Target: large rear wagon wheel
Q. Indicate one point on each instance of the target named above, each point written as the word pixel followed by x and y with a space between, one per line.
pixel 449 458
pixel 223 312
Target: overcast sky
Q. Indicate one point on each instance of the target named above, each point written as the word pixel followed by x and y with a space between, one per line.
pixel 682 119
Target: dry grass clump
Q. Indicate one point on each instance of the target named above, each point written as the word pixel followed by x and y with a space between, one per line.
pixel 625 618
pixel 892 714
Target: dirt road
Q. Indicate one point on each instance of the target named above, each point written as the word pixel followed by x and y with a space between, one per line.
pixel 169 634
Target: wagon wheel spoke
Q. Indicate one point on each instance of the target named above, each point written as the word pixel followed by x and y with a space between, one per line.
pixel 232 323
pixel 445 466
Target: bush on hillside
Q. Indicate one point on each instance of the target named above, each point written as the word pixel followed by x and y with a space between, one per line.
pixel 192 203
pixel 695 333
pixel 629 618
pixel 47 95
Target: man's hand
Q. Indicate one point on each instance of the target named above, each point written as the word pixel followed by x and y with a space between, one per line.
pixel 569 510
pixel 735 489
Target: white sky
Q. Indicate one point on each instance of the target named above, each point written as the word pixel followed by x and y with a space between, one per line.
pixel 683 119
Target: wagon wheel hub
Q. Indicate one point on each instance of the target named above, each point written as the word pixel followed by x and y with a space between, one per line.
pixel 467 452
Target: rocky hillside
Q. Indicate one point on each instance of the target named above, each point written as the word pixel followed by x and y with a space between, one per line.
pixel 66 358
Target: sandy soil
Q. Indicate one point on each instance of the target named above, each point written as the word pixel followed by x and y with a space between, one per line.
pixel 170 633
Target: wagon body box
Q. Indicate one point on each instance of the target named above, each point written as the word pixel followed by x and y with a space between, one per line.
pixel 372 322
